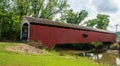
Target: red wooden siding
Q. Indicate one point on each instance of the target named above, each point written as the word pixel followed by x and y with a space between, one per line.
pixel 51 36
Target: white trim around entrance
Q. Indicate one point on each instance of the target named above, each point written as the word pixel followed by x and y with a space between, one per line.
pixel 22 23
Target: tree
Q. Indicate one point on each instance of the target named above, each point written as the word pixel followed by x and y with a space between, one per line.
pixel 50 9
pixel 9 22
pixel 21 8
pixel 10 26
pixel 101 22
pixel 12 12
pixel 45 9
pixel 3 4
pixel 12 31
pixel 91 23
pixel 37 6
pixel 75 18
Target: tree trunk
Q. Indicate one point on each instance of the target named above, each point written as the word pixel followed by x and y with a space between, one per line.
pixel 1 30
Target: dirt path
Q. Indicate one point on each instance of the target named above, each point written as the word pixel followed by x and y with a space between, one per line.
pixel 24 48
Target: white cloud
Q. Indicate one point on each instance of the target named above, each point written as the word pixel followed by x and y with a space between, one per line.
pixel 110 7
pixel 106 6
pixel 73 5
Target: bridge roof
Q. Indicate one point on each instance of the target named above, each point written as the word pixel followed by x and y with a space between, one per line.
pixel 64 25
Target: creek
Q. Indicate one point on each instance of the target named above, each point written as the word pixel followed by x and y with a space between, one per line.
pixel 111 57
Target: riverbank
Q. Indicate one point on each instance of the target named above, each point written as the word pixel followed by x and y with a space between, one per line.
pixel 14 58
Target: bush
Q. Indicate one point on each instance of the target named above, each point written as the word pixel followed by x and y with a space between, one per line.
pixel 114 47
pixel 96 44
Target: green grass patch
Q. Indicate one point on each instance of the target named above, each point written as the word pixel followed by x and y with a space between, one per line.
pixel 8 58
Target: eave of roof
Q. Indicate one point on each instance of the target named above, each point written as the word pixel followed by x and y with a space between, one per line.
pixel 54 23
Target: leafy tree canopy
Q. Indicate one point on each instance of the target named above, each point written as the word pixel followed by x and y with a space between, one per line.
pixel 12 12
pixel 46 9
pixel 101 22
pixel 75 18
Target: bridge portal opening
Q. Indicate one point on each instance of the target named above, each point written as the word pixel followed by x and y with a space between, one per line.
pixel 25 32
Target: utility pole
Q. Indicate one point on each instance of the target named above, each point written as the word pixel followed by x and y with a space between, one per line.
pixel 116 27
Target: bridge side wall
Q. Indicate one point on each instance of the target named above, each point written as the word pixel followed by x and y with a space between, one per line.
pixel 51 36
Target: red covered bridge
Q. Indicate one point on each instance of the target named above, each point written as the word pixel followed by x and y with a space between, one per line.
pixel 51 33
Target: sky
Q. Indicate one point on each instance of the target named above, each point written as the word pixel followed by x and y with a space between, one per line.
pixel 94 7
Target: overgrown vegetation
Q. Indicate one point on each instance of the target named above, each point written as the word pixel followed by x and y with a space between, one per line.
pixel 8 58
pixel 12 12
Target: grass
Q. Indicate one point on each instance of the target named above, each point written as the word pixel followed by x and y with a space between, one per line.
pixel 8 58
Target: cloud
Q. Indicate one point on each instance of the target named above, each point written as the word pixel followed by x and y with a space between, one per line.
pixel 73 5
pixel 94 7
pixel 106 6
